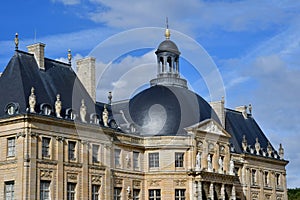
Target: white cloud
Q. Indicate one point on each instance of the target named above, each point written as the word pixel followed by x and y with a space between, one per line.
pixel 67 2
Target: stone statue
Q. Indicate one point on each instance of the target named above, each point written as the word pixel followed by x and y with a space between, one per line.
pixel 32 101
pixel 231 167
pixel 105 116
pixel 257 146
pixel 82 111
pixel 220 165
pixel 58 106
pixel 127 159
pixel 209 166
pixel 198 161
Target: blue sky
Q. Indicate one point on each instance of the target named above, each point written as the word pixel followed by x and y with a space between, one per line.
pixel 254 44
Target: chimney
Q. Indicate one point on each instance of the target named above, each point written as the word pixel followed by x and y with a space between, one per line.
pixel 218 107
pixel 86 74
pixel 38 50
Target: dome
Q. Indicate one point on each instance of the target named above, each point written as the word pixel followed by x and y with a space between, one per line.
pixel 168 46
pixel 161 110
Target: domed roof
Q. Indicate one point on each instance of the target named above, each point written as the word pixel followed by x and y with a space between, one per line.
pixel 168 46
pixel 161 110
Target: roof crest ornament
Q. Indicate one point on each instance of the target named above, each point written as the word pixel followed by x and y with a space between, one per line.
pixel 69 56
pixel 17 41
pixel 167 33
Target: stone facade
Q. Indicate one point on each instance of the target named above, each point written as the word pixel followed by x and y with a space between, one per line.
pixel 130 170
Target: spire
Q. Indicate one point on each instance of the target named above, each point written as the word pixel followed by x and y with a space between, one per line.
pixel 167 33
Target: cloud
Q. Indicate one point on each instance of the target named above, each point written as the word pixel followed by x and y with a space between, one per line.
pixel 67 2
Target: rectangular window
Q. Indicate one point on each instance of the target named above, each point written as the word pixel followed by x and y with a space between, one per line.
pixel 10 190
pixel 95 153
pixel 253 177
pixel 154 194
pixel 179 159
pixel 11 146
pixel 71 150
pixel 117 157
pixel 179 194
pixel 46 147
pixel 117 193
pixel 45 190
pixel 153 160
pixel 136 194
pixel 95 192
pixel 136 160
pixel 71 191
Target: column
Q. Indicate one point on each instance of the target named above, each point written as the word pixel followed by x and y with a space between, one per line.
pixel 211 190
pixel 233 195
pixel 199 190
pixel 195 190
pixel 85 169
pixel 60 167
pixel 223 192
pixel 164 65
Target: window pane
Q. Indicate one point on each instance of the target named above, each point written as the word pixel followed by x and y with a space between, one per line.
pixel 71 192
pixel 179 159
pixel 136 194
pixel 45 147
pixel 71 150
pixel 117 193
pixel 117 157
pixel 95 153
pixel 10 190
pixel 45 190
pixel 153 160
pixel 95 192
pixel 135 160
pixel 11 144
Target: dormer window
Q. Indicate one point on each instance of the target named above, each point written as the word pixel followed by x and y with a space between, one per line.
pixel 46 109
pixel 70 114
pixel 12 108
pixel 94 118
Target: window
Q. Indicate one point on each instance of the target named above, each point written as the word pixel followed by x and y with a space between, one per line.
pixel 71 191
pixel 153 160
pixel 10 190
pixel 179 194
pixel 136 194
pixel 154 194
pixel 266 179
pixel 71 150
pixel 253 177
pixel 95 192
pixel 136 160
pixel 45 190
pixel 117 157
pixel 95 153
pixel 179 159
pixel 117 193
pixel 11 147
pixel 46 147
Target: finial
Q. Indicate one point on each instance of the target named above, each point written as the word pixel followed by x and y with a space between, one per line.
pixel 223 100
pixel 69 56
pixel 281 151
pixel 16 41
pixel 109 97
pixel 167 33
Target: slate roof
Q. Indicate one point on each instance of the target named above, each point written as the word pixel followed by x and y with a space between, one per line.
pixel 22 73
pixel 164 110
pixel 238 126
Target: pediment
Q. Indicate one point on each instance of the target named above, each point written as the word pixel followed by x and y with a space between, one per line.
pixel 208 126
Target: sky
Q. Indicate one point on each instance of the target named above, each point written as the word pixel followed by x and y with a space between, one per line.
pixel 251 46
